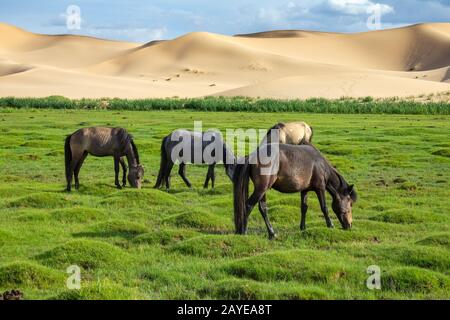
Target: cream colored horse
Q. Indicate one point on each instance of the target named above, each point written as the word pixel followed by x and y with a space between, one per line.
pixel 292 133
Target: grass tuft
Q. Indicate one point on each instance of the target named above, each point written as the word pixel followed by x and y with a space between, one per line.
pixel 412 279
pixel 29 274
pixel 244 289
pixel 214 246
pixel 41 200
pixel 442 152
pixel 78 214
pixel 102 290
pixel 164 236
pixel 307 266
pixel 200 219
pixel 114 228
pixel 86 254
pixel 442 240
pixel 398 216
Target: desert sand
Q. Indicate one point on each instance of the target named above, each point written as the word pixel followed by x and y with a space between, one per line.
pixel 409 61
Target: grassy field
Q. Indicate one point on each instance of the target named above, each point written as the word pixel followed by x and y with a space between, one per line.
pixel 150 244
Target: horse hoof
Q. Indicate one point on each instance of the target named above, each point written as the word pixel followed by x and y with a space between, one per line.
pixel 119 187
pixel 272 236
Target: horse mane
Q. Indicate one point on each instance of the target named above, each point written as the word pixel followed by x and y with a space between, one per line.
pixel 335 176
pixel 343 185
pixel 135 151
pixel 279 126
pixel 124 139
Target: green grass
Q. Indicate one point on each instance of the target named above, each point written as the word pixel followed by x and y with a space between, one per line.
pixel 344 105
pixel 150 244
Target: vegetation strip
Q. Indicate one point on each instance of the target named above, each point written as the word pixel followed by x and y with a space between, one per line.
pixel 367 105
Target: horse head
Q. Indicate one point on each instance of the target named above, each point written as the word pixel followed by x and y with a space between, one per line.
pixel 135 175
pixel 342 206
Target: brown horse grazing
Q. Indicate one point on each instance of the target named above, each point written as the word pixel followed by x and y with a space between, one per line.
pixel 300 169
pixel 206 141
pixel 101 142
pixel 291 133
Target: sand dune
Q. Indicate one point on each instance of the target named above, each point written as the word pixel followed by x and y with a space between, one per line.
pixel 407 61
pixel 327 86
pixel 65 51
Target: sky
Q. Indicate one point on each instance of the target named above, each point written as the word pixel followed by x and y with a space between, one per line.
pixel 143 21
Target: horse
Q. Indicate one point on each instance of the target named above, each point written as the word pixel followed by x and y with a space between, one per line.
pixel 184 147
pixel 101 142
pixel 291 133
pixel 298 168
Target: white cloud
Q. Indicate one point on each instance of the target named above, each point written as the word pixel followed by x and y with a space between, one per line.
pixel 291 5
pixel 130 33
pixel 271 15
pixel 356 7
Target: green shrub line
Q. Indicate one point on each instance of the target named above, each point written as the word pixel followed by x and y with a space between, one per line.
pixel 366 105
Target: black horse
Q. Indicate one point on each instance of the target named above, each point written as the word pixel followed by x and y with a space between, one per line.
pixel 183 146
pixel 295 168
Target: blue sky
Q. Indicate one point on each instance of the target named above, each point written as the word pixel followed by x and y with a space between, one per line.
pixel 144 21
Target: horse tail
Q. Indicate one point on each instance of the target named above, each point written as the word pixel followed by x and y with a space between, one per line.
pixel 162 165
pixel 307 137
pixel 135 151
pixel 240 191
pixel 68 158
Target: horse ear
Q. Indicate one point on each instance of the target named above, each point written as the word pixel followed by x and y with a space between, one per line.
pixel 352 193
pixel 350 188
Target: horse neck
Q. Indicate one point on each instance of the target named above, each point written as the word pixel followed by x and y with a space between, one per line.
pixel 335 182
pixel 131 157
pixel 229 161
pixel 228 155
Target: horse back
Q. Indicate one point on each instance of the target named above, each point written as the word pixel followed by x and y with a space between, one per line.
pixel 299 168
pixel 98 141
pixel 295 133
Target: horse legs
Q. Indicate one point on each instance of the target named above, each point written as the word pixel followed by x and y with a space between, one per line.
pixel 77 170
pixel 69 176
pixel 211 175
pixel 124 169
pixel 304 209
pixel 323 207
pixel 116 171
pixel 255 198
pixel 73 164
pixel 167 171
pixel 263 210
pixel 182 173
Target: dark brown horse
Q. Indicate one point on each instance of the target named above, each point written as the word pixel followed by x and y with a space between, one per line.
pixel 172 152
pixel 298 168
pixel 101 142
